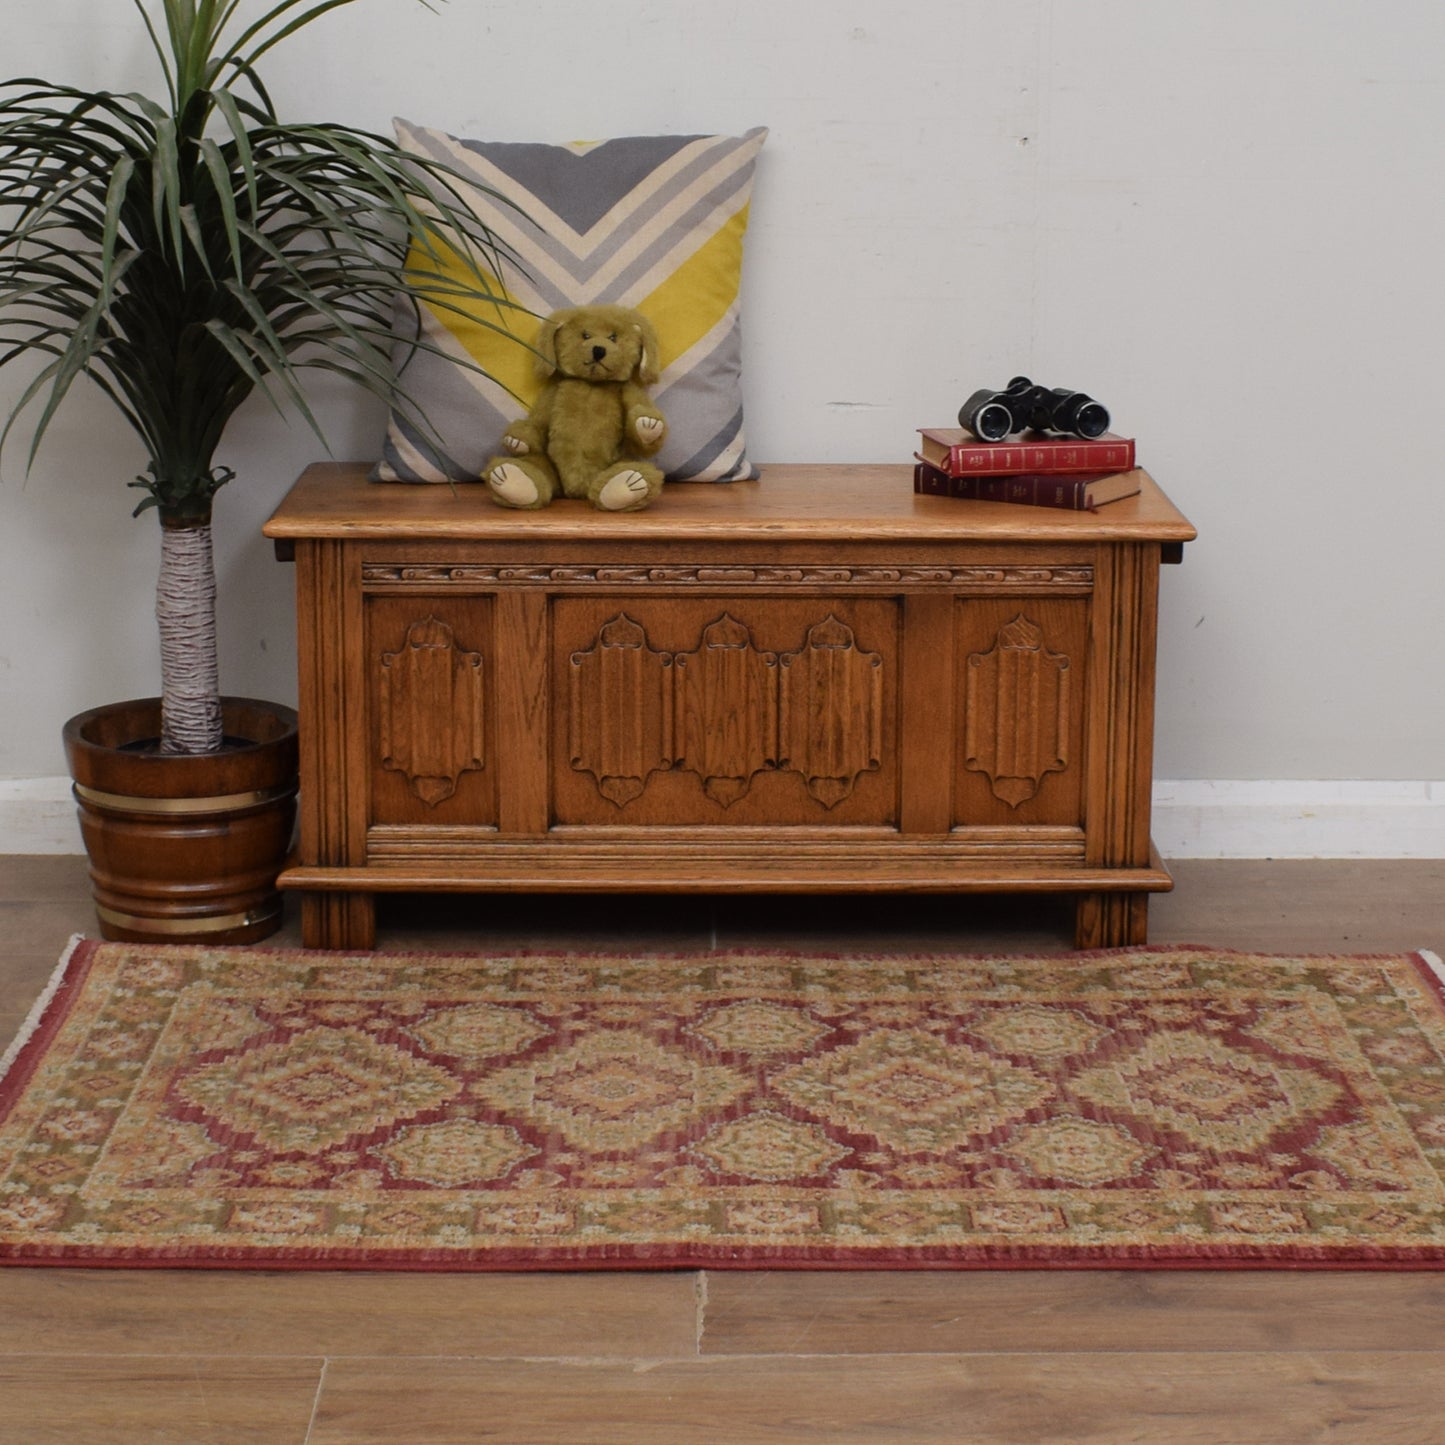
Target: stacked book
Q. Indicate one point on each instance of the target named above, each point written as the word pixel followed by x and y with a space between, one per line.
pixel 1038 469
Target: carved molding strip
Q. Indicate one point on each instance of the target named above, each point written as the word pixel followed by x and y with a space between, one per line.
pixel 431 710
pixel 1016 712
pixel 621 710
pixel 727 710
pixel 466 574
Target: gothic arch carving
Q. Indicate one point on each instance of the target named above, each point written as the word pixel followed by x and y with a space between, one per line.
pixel 431 718
pixel 830 716
pixel 1017 712
pixel 621 710
pixel 727 709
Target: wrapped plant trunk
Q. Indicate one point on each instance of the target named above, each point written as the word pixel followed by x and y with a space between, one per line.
pixel 190 678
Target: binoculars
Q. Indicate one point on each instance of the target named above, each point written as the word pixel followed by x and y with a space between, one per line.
pixel 992 415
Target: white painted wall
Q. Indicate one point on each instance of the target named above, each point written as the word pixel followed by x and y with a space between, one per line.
pixel 1224 219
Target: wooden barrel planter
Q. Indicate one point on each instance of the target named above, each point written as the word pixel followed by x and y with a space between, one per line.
pixel 185 849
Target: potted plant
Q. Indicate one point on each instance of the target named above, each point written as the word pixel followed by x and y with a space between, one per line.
pixel 181 253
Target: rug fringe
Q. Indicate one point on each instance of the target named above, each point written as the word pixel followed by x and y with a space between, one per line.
pixel 42 1004
pixel 1434 964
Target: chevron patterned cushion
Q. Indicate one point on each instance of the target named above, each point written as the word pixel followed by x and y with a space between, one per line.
pixel 654 222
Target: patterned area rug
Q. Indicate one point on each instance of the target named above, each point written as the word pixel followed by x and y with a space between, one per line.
pixel 1188 1107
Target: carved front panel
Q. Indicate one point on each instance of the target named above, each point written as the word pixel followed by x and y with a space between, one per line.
pixel 430 667
pixel 620 710
pixel 831 717
pixel 753 711
pixel 1021 673
pixel 727 709
pixel 1016 711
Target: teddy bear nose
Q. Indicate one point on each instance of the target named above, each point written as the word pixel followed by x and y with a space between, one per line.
pixel 598 352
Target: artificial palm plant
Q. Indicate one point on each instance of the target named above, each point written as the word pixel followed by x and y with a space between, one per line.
pixel 182 252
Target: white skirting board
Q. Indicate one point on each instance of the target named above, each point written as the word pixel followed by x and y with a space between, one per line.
pixel 1192 819
pixel 1199 818
pixel 37 815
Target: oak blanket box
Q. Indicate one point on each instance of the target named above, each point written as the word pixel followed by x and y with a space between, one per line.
pixel 819 681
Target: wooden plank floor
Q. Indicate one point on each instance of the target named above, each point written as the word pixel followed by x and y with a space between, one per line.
pixel 734 1358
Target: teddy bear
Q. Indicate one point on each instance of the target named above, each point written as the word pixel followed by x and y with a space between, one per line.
pixel 590 430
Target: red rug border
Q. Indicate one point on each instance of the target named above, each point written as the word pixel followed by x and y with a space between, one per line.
pixel 534 1262
pixel 44 1020
pixel 80 944
pixel 53 1007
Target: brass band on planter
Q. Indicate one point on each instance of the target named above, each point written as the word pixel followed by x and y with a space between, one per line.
pixel 210 924
pixel 226 803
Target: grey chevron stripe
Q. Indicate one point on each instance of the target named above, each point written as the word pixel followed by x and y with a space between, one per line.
pixel 678 172
pixel 584 186
pixel 661 194
pixel 714 363
pixel 406 456
pixel 567 270
pixel 714 463
pixel 588 255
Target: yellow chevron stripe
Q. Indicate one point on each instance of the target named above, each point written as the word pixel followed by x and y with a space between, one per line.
pixel 684 308
pixel 507 363
pixel 688 304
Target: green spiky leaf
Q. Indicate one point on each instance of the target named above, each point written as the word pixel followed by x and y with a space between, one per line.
pixel 183 254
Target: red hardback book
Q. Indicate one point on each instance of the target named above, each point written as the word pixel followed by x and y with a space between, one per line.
pixel 1084 492
pixel 961 454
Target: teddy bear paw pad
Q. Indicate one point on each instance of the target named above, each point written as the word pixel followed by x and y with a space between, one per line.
pixel 512 485
pixel 624 490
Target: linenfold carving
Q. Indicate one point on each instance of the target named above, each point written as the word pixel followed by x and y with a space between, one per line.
pixel 830 722
pixel 431 718
pixel 727 710
pixel 1016 712
pixel 621 710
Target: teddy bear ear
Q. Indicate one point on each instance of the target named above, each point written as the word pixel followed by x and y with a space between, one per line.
pixel 546 347
pixel 648 369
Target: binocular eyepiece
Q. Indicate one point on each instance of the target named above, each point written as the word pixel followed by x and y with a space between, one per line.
pixel 992 415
